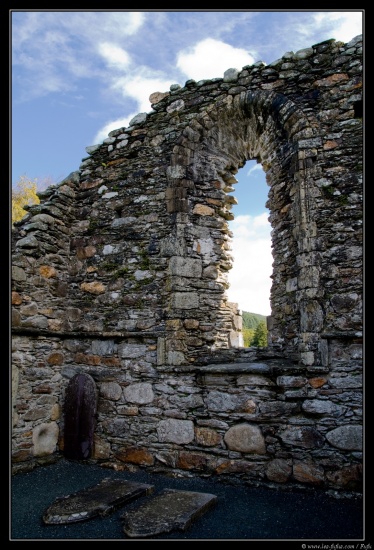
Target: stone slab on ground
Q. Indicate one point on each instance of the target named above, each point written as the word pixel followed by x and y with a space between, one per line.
pixel 99 500
pixel 168 511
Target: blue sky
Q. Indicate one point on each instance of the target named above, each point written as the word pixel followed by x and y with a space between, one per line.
pixel 77 75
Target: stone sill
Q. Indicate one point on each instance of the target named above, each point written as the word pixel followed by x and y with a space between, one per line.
pixel 341 335
pixel 26 331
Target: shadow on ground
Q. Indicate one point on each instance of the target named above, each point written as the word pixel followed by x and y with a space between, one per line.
pixel 240 512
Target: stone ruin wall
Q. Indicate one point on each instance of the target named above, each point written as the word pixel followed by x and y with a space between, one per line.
pixel 121 273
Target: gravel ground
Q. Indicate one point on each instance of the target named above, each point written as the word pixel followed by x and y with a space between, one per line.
pixel 240 513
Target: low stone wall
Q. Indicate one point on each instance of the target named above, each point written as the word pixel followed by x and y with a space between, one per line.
pixel 258 419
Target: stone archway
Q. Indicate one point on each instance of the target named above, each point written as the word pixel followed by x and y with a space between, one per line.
pixel 270 128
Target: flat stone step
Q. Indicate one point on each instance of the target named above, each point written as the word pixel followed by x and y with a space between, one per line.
pixel 168 511
pixel 98 500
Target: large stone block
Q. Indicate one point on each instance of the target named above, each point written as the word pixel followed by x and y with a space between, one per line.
pixel 185 300
pixel 140 393
pixel 245 438
pixel 185 267
pixel 175 431
pixel 44 438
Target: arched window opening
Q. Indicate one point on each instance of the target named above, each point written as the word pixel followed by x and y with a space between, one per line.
pixel 250 276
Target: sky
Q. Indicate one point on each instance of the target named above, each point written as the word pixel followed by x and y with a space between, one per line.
pixel 76 75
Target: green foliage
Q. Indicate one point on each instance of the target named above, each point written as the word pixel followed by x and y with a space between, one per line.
pixel 328 190
pixel 121 272
pixel 94 224
pixel 109 266
pixel 343 200
pixel 260 338
pixel 144 260
pixel 254 330
pixel 248 334
pixel 251 320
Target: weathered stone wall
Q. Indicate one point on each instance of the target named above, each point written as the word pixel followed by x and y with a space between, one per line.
pixel 121 272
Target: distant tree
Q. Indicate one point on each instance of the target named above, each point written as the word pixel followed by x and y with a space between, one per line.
pixel 250 324
pixel 248 334
pixel 251 320
pixel 260 338
pixel 25 193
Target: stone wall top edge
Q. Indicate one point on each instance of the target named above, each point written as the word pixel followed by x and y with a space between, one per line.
pixel 177 91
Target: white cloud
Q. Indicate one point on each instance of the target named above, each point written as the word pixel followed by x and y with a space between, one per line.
pixel 112 125
pixel 344 25
pixel 211 58
pixel 140 86
pixel 118 24
pixel 254 168
pixel 296 30
pixel 63 43
pixel 261 222
pixel 115 56
pixel 322 25
pixel 249 278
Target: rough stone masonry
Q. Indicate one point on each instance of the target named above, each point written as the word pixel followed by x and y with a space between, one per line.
pixel 120 273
